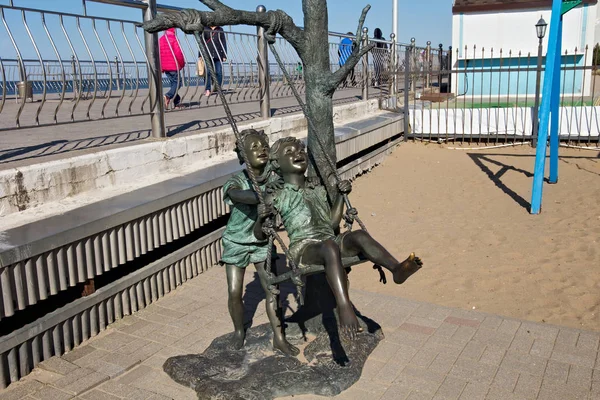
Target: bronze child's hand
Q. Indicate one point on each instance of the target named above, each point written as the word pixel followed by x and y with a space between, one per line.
pixel 345 187
pixel 264 211
pixel 275 185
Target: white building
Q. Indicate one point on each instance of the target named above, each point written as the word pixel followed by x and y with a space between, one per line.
pixel 485 32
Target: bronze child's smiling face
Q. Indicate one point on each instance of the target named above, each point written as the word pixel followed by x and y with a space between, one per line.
pixel 293 158
pixel 257 151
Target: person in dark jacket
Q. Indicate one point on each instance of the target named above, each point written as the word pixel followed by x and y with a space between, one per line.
pixel 216 44
pixel 380 58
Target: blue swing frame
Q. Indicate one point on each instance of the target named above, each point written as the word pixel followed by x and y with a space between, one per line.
pixel 550 107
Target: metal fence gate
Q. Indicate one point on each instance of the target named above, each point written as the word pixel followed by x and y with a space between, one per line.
pixel 488 95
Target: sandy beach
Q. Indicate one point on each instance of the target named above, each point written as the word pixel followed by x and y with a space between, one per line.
pixel 464 212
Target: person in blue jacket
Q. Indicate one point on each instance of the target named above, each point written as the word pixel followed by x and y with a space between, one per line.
pixel 346 47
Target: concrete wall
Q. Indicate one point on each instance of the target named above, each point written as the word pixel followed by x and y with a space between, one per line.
pixel 24 189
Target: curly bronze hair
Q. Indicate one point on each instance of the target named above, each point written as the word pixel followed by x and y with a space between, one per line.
pixel 244 135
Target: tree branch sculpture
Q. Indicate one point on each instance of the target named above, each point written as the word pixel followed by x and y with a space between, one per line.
pixel 312 49
pixel 191 20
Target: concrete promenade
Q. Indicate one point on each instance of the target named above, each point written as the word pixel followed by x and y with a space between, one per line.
pixel 26 146
pixel 430 352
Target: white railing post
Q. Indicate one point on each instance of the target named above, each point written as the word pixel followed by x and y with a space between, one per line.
pixel 394 65
pixel 365 88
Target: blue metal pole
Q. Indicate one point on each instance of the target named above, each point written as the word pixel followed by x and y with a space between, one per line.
pixel 540 154
pixel 555 109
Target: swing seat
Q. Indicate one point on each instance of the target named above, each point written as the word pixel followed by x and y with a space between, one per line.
pixel 310 269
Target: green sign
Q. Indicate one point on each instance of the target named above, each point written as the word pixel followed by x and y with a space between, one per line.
pixel 568 5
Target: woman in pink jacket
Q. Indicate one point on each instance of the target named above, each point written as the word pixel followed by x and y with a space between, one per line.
pixel 172 61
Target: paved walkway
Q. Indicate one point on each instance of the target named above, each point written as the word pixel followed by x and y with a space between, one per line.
pixel 430 352
pixel 25 146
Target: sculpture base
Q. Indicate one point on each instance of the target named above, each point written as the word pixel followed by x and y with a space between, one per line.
pixel 258 372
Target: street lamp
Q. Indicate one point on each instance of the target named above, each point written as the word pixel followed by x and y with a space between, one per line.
pixel 540 29
pixel 395 17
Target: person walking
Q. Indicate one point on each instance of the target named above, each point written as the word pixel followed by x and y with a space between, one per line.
pixel 216 44
pixel 171 61
pixel 380 58
pixel 346 48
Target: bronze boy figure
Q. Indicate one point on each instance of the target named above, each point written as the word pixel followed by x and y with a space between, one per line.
pixel 313 228
pixel 241 247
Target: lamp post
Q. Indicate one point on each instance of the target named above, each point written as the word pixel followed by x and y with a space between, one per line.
pixel 540 28
pixel 428 65
pixel 440 67
pixel 412 66
pixel 395 17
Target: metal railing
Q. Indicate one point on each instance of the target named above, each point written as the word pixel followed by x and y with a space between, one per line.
pixel 488 95
pixel 70 67
pixel 85 68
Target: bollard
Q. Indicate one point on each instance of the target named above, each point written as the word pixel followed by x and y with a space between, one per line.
pixel 24 91
pixel 365 88
pixel 24 87
pixel 157 106
pixel 263 69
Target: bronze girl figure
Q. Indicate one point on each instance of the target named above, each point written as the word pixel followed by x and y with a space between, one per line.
pixel 241 247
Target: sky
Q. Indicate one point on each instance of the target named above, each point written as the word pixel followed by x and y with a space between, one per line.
pixel 423 19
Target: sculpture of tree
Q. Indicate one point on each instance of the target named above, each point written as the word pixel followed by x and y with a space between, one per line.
pixel 312 47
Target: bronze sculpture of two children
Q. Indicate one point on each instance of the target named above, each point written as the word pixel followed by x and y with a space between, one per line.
pixel 312 224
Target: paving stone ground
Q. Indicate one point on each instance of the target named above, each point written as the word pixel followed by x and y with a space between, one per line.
pixel 430 352
pixel 32 145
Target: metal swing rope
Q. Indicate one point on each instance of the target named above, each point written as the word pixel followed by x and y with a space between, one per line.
pixel 351 213
pixel 276 24
pixel 268 227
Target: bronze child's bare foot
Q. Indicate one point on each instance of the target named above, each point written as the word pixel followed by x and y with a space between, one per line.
pixel 281 344
pixel 349 325
pixel 406 268
pixel 238 339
